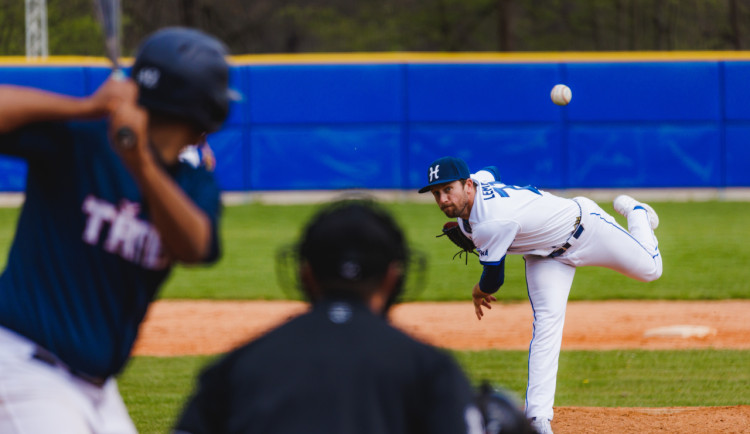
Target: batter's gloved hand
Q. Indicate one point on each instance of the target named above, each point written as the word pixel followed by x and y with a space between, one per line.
pixel 458 238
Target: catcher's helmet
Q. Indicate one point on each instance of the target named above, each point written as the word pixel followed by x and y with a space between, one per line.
pixel 183 72
pixel 501 413
pixel 351 242
pixel 348 246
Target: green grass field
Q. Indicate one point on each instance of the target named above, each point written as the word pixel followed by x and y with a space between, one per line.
pixel 699 242
pixel 704 245
pixel 155 388
pixel 705 251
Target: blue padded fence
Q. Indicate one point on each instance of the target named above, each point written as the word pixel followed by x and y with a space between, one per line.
pixel 334 126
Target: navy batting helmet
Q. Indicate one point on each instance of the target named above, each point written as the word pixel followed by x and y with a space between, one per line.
pixel 183 73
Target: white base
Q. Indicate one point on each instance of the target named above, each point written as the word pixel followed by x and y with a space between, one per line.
pixel 680 331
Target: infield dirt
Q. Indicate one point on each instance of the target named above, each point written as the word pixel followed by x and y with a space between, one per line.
pixel 209 327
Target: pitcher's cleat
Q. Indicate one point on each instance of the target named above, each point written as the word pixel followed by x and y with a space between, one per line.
pixel 624 204
pixel 541 425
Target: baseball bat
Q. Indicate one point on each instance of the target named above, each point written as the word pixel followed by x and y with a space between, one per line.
pixel 108 14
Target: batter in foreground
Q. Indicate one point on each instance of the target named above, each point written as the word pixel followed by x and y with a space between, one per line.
pixel 101 228
pixel 555 235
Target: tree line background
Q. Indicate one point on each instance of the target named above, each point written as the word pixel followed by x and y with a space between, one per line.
pixel 298 26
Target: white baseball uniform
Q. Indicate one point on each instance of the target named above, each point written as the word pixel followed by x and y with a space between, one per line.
pixel 37 397
pixel 555 235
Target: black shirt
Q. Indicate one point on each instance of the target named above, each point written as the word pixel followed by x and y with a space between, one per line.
pixel 336 369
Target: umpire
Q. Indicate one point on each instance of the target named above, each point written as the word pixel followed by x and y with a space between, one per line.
pixel 339 368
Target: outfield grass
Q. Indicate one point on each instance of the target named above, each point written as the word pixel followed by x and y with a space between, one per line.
pixel 704 245
pixel 154 389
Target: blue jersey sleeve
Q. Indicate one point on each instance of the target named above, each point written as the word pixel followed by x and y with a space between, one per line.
pixel 493 277
pixel 36 141
pixel 201 186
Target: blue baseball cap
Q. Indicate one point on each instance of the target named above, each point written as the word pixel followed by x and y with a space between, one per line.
pixel 446 169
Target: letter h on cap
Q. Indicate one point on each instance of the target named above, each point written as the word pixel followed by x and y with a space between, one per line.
pixel 434 173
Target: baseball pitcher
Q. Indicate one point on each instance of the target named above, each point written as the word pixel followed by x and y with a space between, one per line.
pixel 555 235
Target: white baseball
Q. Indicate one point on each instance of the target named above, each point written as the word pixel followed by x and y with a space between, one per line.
pixel 561 94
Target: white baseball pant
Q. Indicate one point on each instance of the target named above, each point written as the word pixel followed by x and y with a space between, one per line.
pixel 36 397
pixel 602 243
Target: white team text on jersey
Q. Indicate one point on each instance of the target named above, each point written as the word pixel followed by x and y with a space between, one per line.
pixel 132 239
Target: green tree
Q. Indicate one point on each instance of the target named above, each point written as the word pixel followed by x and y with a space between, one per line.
pixel 12 28
pixel 73 28
pixel 292 26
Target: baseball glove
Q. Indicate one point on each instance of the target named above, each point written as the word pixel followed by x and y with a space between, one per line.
pixel 458 238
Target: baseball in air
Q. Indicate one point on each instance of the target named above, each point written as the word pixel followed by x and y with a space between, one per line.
pixel 561 94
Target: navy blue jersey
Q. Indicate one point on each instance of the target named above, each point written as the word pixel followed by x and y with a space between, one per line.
pixel 86 261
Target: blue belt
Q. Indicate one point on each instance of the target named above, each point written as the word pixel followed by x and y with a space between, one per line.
pixel 576 233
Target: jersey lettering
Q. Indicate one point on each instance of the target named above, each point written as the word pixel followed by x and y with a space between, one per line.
pixel 483 252
pixel 134 240
pixel 489 190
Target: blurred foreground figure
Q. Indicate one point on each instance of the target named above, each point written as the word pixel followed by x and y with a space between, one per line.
pixel 101 227
pixel 341 367
pixel 501 413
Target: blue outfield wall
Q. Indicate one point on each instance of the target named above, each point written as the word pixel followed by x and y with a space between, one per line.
pixel 378 125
